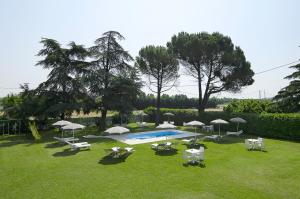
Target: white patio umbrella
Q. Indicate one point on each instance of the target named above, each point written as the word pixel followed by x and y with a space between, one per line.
pixel 168 114
pixel 238 120
pixel 166 126
pixel 219 122
pixel 117 129
pixel 194 124
pixel 61 123
pixel 73 127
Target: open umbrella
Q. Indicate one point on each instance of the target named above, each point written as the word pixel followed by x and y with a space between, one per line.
pixel 166 126
pixel 194 124
pixel 61 123
pixel 73 127
pixel 168 114
pixel 219 122
pixel 117 129
pixel 238 120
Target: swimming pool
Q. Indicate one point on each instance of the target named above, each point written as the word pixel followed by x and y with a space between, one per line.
pixel 154 134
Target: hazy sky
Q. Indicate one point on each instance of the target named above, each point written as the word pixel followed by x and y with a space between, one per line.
pixel 267 30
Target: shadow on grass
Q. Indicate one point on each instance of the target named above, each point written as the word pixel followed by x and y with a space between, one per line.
pixel 258 150
pixel 68 152
pixel 166 152
pixel 199 164
pixel 108 159
pixel 54 145
pixel 195 146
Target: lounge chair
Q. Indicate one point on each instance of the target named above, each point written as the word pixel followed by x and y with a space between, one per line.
pixel 191 141
pixel 212 137
pixel 234 133
pixel 66 140
pixel 78 145
pixel 117 152
pixel 93 136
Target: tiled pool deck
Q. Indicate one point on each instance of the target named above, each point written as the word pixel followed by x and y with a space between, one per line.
pixel 131 141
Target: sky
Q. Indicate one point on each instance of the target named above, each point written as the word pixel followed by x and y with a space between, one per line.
pixel 268 31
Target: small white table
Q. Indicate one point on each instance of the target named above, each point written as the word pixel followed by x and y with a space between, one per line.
pixel 252 142
pixel 193 152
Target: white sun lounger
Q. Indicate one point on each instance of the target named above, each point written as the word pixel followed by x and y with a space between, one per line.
pixel 79 145
pixel 93 136
pixel 234 133
pixel 212 137
pixel 65 140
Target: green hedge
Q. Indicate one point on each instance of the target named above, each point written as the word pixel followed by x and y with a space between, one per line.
pixel 250 106
pixel 276 125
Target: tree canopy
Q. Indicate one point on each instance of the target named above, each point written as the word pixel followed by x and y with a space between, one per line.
pixel 288 98
pixel 63 86
pixel 109 66
pixel 214 61
pixel 160 67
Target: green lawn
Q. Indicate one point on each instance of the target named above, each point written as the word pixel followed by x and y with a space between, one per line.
pixel 49 170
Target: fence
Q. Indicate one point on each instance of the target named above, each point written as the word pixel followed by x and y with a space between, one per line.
pixel 10 127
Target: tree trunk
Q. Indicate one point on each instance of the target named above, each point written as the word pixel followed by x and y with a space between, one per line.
pixel 103 119
pixel 157 109
pixel 200 103
pixel 62 116
pixel 204 102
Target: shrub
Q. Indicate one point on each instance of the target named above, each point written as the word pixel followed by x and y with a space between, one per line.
pixel 250 106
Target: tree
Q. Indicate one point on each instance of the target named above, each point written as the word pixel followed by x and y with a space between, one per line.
pixel 161 68
pixel 214 61
pixel 109 60
pixel 123 93
pixel 288 98
pixel 63 86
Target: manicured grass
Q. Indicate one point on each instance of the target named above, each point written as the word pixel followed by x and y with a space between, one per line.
pixel 49 170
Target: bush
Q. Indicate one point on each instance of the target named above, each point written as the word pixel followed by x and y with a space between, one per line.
pixel 250 106
pixel 276 125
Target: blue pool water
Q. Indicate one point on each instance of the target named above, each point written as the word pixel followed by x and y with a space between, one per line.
pixel 153 134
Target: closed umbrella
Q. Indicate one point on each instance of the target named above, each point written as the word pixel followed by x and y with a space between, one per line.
pixel 117 129
pixel 194 124
pixel 166 126
pixel 73 127
pixel 219 122
pixel 61 123
pixel 143 114
pixel 238 120
pixel 168 114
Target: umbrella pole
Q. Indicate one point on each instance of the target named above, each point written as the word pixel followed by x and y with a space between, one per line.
pixel 219 130
pixel 73 136
pixel 237 128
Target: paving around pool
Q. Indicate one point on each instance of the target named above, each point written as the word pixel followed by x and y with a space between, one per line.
pixel 152 136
